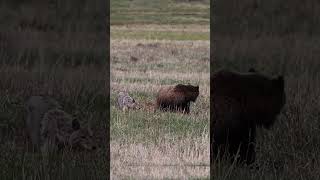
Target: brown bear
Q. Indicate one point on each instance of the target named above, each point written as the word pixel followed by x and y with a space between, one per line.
pixel 177 98
pixel 240 103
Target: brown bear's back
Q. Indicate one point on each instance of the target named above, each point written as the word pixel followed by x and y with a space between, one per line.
pixel 240 84
pixel 169 95
pixel 257 96
pixel 178 95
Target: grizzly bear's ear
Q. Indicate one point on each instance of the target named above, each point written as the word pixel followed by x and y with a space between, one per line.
pixel 252 70
pixel 280 82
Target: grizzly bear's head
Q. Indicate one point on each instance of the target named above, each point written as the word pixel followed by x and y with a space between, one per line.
pixel 267 100
pixel 191 92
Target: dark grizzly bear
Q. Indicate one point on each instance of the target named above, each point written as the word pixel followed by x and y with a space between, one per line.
pixel 177 98
pixel 241 102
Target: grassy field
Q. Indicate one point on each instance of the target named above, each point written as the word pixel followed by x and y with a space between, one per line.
pixel 126 12
pixel 160 20
pixel 272 45
pixel 44 51
pixel 170 48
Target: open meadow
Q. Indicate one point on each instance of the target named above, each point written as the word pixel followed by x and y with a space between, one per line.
pixel 154 45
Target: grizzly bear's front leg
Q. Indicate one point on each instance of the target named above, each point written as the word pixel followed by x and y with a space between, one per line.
pixel 186 108
pixel 247 148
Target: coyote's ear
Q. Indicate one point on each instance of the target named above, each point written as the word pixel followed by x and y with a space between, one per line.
pixel 75 124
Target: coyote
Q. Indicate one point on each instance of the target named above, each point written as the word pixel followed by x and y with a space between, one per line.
pixel 60 130
pixel 50 128
pixel 126 102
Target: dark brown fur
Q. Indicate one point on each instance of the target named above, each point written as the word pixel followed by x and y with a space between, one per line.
pixel 177 98
pixel 241 102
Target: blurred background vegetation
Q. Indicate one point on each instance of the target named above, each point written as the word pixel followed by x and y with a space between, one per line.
pixel 272 17
pixel 53 32
pixel 59 49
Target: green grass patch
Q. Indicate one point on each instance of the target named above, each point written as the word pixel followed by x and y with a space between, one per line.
pixel 159 12
pixel 159 35
pixel 141 126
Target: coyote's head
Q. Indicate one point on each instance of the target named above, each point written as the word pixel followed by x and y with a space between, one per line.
pixel 81 138
pixel 126 102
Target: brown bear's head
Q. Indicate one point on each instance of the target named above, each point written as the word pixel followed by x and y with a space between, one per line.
pixel 269 102
pixel 192 92
pixel 195 93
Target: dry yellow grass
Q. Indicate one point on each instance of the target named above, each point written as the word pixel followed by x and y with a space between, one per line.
pixel 179 159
